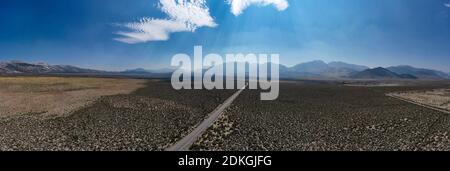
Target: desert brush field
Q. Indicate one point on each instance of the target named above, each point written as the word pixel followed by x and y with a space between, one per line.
pixel 57 96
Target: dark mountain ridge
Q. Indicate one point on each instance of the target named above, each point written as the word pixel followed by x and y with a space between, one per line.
pixel 381 73
pixel 17 67
pixel 314 69
pixel 419 72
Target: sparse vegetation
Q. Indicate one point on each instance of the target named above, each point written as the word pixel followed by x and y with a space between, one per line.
pixel 316 117
pixel 56 96
pixel 309 115
pixel 439 98
pixel 151 118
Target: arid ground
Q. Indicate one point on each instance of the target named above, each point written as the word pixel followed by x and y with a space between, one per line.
pixel 439 98
pixel 316 117
pixel 57 96
pixel 110 114
pixel 54 113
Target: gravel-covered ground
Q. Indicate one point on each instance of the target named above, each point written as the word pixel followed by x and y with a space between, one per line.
pixel 151 118
pixel 317 117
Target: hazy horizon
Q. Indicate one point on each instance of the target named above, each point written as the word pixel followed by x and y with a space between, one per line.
pixel 117 35
pixel 171 67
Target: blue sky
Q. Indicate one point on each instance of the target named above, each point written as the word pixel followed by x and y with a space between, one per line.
pixel 368 32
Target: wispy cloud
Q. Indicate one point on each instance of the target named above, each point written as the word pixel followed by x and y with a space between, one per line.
pixel 182 16
pixel 447 4
pixel 238 6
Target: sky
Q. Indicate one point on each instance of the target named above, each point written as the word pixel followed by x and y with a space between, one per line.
pixel 122 34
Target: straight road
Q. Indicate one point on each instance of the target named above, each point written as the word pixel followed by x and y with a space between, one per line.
pixel 185 143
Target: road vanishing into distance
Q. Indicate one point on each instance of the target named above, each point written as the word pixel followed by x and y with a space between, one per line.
pixel 185 143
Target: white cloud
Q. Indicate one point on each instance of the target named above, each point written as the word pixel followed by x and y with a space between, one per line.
pixel 183 16
pixel 447 5
pixel 238 6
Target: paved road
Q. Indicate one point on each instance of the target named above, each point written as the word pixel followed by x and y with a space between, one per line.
pixel 185 143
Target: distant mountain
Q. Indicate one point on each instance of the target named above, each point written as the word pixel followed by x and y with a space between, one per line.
pixel 136 71
pixel 348 66
pixel 408 76
pixel 419 72
pixel 309 70
pixel 162 71
pixel 335 72
pixel 313 67
pixel 148 71
pixel 381 73
pixel 17 67
pixel 320 69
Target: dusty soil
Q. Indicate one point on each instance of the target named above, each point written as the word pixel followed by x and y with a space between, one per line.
pixel 57 96
pixel 439 98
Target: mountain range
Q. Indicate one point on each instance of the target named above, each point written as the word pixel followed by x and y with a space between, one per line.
pixel 18 67
pixel 320 69
pixel 315 69
pixel 147 71
pixel 419 72
pixel 381 73
pixel 342 70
